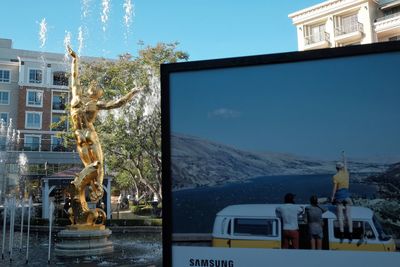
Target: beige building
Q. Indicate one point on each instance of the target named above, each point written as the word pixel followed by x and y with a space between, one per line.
pixel 33 94
pixel 336 23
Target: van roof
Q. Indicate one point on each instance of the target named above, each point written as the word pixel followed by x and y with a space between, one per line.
pixel 268 210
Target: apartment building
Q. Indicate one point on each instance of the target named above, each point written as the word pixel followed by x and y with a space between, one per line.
pixel 33 94
pixel 336 23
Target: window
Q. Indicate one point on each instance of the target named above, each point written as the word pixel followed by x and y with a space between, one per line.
pixel 4 118
pixel 259 227
pixel 33 120
pixel 4 76
pixel 60 78
pixel 59 100
pixel 4 97
pixel 350 24
pixel 361 230
pixel 59 123
pixel 32 142
pixel 315 34
pixel 57 144
pixel 34 98
pixel 35 76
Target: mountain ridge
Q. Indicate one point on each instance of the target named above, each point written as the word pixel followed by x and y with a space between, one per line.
pixel 198 162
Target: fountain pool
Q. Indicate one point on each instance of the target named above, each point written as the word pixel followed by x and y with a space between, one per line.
pixel 130 249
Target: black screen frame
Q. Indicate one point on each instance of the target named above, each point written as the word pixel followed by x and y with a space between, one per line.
pixel 267 59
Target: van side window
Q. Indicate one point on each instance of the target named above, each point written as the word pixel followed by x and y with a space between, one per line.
pixel 224 227
pixel 361 229
pixel 259 227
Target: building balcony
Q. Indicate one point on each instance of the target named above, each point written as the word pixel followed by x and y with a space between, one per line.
pixel 316 41
pixel 349 33
pixel 388 25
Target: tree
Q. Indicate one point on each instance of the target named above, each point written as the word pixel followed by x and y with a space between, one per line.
pixel 131 136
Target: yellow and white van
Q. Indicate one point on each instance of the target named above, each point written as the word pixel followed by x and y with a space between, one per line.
pixel 257 226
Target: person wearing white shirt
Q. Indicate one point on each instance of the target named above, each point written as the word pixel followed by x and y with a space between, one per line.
pixel 289 213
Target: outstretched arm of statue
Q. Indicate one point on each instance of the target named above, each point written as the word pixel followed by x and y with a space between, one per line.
pixel 74 73
pixel 117 103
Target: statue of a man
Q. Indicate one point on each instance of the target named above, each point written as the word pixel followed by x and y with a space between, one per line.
pixel 84 109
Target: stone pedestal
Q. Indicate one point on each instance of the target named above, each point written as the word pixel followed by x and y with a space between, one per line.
pixel 83 242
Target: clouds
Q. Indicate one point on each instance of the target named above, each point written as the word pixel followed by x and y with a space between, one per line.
pixel 224 113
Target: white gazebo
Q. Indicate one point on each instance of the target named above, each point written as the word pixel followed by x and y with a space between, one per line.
pixel 64 178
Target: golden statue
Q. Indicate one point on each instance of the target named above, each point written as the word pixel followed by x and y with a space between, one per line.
pixel 84 109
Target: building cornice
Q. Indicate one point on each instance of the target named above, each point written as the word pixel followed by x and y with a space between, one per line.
pixel 323 9
pixel 8 63
pixel 44 60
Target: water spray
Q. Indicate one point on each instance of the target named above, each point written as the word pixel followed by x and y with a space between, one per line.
pixel 4 228
pixel 51 211
pixel 43 32
pixel 22 223
pixel 80 40
pixel 29 227
pixel 104 14
pixel 12 221
pixel 129 13
pixel 67 42
pixel 85 8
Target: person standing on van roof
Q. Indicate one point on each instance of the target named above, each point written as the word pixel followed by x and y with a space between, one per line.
pixel 314 219
pixel 289 215
pixel 341 196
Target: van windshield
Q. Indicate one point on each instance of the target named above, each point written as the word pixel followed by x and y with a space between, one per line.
pixel 379 228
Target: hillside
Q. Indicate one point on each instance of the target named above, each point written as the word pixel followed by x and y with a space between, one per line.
pixel 198 162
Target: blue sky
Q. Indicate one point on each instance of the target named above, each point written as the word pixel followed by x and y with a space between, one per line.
pixel 204 28
pixel 314 110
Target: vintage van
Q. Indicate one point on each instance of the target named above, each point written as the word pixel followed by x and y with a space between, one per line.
pixel 257 226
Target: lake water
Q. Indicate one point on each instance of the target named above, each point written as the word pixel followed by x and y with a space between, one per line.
pixel 194 209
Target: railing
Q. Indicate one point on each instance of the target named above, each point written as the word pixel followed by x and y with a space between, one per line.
pixel 58 106
pixel 349 28
pixel 315 38
pixel 63 83
pixel 388 17
pixel 61 127
pixel 44 146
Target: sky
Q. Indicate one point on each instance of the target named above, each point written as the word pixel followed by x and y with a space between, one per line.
pixel 314 108
pixel 205 29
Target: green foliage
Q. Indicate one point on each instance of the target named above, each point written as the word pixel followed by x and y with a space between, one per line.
pixel 135 209
pixel 143 210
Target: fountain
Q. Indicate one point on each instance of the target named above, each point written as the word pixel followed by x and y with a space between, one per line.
pixel 86 240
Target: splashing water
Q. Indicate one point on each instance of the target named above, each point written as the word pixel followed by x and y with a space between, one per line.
pixel 153 99
pixel 67 42
pixel 23 163
pixel 85 8
pixel 80 40
pixel 43 32
pixel 104 14
pixel 128 7
pixel 9 135
pixel 129 13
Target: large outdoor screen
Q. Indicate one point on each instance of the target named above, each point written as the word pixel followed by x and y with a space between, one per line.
pixel 240 135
